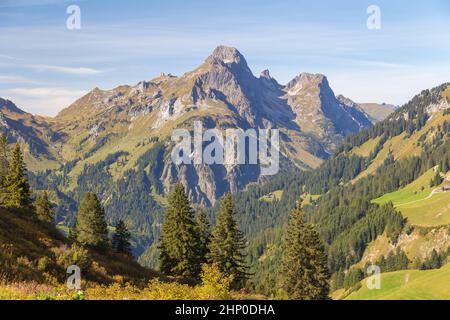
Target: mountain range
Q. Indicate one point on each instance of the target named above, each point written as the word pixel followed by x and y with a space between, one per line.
pixel 117 143
pixel 222 92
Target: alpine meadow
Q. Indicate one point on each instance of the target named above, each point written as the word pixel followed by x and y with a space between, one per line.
pixel 210 181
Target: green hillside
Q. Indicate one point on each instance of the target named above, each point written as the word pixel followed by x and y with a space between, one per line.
pixel 417 190
pixel 419 202
pixel 408 285
pixel 433 211
pixel 392 162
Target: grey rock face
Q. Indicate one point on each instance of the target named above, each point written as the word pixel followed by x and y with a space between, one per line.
pixel 320 113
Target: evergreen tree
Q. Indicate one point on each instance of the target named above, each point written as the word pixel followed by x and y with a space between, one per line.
pixel 303 273
pixel 18 192
pixel 91 227
pixel 437 180
pixel 228 243
pixel 44 208
pixel 179 245
pixel 203 230
pixel 433 262
pixel 352 277
pixel 3 166
pixel 121 239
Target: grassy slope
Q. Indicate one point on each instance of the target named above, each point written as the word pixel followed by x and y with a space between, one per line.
pixel 417 190
pixel 409 285
pixel 365 149
pixel 434 211
pixel 419 203
pixel 24 241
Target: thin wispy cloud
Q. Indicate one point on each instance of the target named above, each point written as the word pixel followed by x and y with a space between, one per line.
pixel 43 100
pixel 14 62
pixel 67 70
pixel 17 79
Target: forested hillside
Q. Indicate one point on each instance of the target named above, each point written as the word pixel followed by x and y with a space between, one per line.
pixel 410 142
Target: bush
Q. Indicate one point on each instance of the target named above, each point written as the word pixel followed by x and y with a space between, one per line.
pixel 214 284
pixel 75 255
pixel 44 263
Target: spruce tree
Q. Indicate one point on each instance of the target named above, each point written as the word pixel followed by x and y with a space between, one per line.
pixel 44 208
pixel 179 245
pixel 91 227
pixel 303 272
pixel 121 239
pixel 203 230
pixel 228 244
pixel 3 166
pixel 437 180
pixel 18 192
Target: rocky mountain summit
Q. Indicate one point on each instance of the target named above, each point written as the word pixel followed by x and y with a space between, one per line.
pixel 222 93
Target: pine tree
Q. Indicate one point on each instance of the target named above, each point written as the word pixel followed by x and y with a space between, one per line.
pixel 203 230
pixel 434 262
pixel 91 227
pixel 303 272
pixel 18 192
pixel 228 244
pixel 44 208
pixel 437 180
pixel 179 245
pixel 3 166
pixel 121 239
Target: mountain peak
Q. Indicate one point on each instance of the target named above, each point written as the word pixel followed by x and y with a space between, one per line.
pixel 305 79
pixel 227 55
pixel 266 74
pixel 8 105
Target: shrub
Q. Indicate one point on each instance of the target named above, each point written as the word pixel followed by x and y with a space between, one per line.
pixel 75 255
pixel 44 263
pixel 214 284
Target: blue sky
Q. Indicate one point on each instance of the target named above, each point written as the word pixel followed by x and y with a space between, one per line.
pixel 44 66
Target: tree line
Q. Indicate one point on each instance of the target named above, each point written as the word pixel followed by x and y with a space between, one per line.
pixel 187 242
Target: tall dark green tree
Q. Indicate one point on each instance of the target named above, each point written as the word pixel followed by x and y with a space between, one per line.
pixel 44 208
pixel 179 245
pixel 18 192
pixel 303 272
pixel 228 244
pixel 203 229
pixel 121 239
pixel 3 167
pixel 437 179
pixel 91 227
